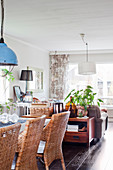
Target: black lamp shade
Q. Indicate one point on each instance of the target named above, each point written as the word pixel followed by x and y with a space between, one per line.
pixel 26 75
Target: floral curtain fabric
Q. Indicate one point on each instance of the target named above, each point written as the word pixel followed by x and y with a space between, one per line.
pixel 58 76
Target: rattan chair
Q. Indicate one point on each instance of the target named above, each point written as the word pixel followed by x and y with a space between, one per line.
pixel 28 144
pixel 8 145
pixel 53 134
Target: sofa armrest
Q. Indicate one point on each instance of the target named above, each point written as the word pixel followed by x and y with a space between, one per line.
pixel 104 114
pixel 101 126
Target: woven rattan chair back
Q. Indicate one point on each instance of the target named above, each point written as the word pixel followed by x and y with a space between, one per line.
pixel 26 159
pixel 53 147
pixel 8 145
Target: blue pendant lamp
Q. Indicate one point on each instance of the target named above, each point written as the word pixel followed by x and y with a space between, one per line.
pixel 7 56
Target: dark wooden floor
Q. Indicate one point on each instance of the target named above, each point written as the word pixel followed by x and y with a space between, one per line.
pixel 79 157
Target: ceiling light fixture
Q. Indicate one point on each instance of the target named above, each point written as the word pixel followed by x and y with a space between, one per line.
pixel 87 67
pixel 7 56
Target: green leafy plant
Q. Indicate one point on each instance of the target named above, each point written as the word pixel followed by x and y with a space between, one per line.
pixel 1 108
pixel 83 98
pixel 8 75
pixel 8 105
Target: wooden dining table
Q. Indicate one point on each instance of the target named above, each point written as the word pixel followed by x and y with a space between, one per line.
pixel 23 120
pixel 33 116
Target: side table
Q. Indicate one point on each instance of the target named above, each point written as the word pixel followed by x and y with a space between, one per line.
pixel 85 136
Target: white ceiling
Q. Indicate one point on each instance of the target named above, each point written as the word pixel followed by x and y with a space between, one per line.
pixel 56 24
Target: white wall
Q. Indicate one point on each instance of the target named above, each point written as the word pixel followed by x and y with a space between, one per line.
pixel 97 58
pixel 29 56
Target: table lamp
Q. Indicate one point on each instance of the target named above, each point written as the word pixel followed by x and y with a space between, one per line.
pixel 26 75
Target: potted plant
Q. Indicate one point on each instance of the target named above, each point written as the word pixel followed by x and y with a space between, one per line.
pixel 83 99
pixel 7 106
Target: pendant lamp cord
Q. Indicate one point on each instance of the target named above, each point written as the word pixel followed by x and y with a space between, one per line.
pixel 2 39
pixel 82 36
pixel 86 52
pixel 2 20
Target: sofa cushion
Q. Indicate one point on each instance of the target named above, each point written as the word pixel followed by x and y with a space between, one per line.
pixel 94 111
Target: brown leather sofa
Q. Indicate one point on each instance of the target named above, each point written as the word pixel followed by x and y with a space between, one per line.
pixel 101 120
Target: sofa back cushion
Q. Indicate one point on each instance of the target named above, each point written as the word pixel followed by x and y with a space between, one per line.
pixel 94 111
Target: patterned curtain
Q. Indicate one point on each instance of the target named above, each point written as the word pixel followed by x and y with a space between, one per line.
pixel 58 76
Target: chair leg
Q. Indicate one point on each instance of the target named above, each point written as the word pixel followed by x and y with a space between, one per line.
pixel 41 160
pixel 47 168
pixel 63 164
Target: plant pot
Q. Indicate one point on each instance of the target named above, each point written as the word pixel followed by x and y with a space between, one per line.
pixel 81 111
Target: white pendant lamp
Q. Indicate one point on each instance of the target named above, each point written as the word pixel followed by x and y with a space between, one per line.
pixel 87 67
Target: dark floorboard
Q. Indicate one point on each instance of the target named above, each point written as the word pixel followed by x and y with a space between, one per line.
pixel 80 157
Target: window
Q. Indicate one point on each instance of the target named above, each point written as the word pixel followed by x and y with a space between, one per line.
pixel 100 88
pixel 37 84
pixel 102 81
